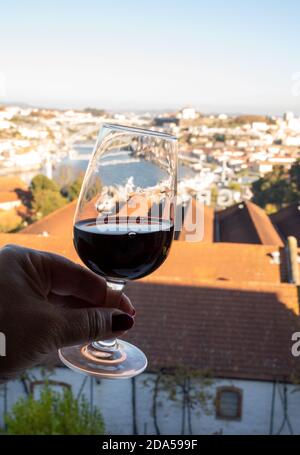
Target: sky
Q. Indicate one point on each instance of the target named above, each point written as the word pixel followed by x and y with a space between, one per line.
pixel 235 56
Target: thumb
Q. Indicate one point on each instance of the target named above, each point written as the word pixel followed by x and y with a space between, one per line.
pixel 91 324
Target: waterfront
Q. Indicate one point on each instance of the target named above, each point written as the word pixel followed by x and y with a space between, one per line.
pixel 69 168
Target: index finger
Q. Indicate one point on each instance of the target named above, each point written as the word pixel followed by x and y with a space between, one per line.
pixel 70 279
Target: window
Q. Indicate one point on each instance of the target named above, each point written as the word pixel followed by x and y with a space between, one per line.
pixel 229 403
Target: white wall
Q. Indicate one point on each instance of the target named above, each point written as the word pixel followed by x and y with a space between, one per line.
pixel 114 398
pixel 9 205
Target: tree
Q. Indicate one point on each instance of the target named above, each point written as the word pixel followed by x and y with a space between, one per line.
pixel 188 388
pixel 235 186
pixel 278 188
pixel 10 221
pixel 214 196
pixel 53 414
pixel 219 137
pixel 72 190
pixel 46 201
pixel 244 119
pixel 41 182
pixel 295 176
pixel 46 196
pixel 95 112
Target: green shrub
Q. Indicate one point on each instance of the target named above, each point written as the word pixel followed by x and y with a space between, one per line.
pixel 53 414
pixel 47 201
pixel 46 197
pixel 72 190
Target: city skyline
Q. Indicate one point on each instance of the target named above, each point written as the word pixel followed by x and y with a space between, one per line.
pixel 238 58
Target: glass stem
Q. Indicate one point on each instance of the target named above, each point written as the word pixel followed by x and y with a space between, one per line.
pixel 112 343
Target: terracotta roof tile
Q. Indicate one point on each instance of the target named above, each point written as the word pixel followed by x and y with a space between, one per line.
pixel 8 196
pixel 242 223
pixel 232 332
pixel 188 263
pixel 11 183
pixel 246 223
pixel 210 306
pixel 58 223
pixel 267 233
pixel 193 212
pixel 196 262
pixel 287 221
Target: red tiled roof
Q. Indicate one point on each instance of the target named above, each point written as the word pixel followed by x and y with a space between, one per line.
pixel 265 229
pixel 58 223
pixel 195 212
pixel 241 223
pixel 8 196
pixel 11 183
pixel 218 306
pixel 233 332
pixel 188 263
pixel 202 262
pixel 287 221
pixel 246 223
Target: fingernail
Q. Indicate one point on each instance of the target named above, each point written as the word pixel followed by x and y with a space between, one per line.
pixel 126 305
pixel 121 322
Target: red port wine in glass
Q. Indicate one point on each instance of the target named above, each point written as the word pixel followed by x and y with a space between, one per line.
pixel 123 249
pixel 123 229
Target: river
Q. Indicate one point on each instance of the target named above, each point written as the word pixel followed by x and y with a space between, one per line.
pixel 68 169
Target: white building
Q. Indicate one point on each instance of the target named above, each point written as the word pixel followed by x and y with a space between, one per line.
pixel 245 406
pixel 5 125
pixel 189 113
pixel 263 167
pixel 292 141
pixel 9 200
pixel 288 116
pixel 260 126
pixel 294 124
pixel 238 329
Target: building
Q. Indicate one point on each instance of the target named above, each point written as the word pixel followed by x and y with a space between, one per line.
pixel 224 306
pixel 9 200
pixel 13 192
pixel 245 223
pixel 287 221
pixel 165 121
pixel 188 113
pixel 58 223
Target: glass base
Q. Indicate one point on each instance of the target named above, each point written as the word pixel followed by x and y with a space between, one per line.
pixel 122 361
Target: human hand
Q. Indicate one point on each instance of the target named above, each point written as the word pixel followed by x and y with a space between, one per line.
pixel 48 302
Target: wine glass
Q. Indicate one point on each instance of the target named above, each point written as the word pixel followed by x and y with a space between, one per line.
pixel 123 229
